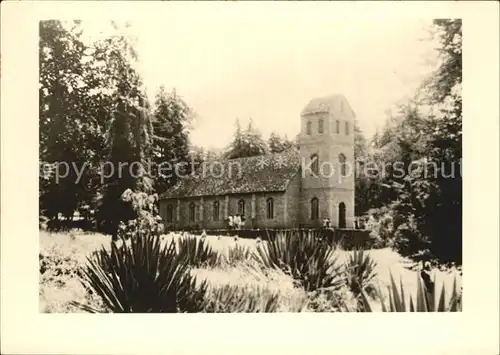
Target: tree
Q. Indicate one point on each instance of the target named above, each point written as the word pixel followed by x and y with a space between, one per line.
pixel 70 115
pixel 426 202
pixel 129 137
pixel 277 144
pixel 246 143
pixel 444 93
pixel 367 187
pixel 171 140
pixel 96 119
pixel 199 155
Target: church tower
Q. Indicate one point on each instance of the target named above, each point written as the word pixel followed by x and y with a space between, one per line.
pixel 327 162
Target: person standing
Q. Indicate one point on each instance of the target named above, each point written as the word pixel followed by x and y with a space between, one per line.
pixel 230 222
pixel 237 221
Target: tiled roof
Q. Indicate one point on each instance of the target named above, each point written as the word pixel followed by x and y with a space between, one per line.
pixel 266 173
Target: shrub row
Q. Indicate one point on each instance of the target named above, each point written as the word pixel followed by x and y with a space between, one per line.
pixel 146 274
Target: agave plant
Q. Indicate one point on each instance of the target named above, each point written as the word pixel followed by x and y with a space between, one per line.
pixel 307 258
pixel 142 276
pixel 197 252
pixel 425 300
pixel 238 254
pixel 360 271
pixel 240 299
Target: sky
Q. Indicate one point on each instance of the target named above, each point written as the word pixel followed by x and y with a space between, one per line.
pixel 244 64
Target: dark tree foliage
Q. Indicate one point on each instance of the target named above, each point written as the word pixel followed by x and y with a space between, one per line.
pixel 71 120
pixel 246 143
pixel 170 140
pixel 278 144
pixel 425 139
pixel 96 126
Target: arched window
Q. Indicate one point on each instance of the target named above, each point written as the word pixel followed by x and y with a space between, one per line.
pixel 337 128
pixel 342 223
pixel 197 214
pixel 170 213
pixel 343 165
pixel 314 208
pixel 347 128
pixel 320 125
pixel 315 164
pixel 308 128
pixel 241 207
pixel 270 208
pixel 191 212
pixel 216 211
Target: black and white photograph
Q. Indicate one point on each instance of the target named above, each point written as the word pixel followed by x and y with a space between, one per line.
pixel 237 177
pixel 236 168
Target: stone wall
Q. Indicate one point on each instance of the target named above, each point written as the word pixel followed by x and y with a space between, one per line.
pixel 347 197
pixel 323 195
pixel 284 204
pixel 291 209
pixel 261 220
pixel 292 202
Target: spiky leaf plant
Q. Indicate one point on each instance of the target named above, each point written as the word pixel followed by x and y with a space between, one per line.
pixel 238 254
pixel 143 276
pixel 309 259
pixel 425 300
pixel 197 252
pixel 240 299
pixel 360 271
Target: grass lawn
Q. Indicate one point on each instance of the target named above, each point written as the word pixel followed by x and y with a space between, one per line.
pixel 62 254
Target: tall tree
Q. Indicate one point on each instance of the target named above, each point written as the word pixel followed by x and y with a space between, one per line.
pixel 129 137
pixel 367 187
pixel 360 142
pixel 70 115
pixel 445 142
pixel 426 201
pixel 170 143
pixel 96 119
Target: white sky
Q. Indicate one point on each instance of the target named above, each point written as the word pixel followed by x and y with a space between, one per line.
pixel 238 63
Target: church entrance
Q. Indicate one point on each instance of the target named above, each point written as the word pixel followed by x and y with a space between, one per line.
pixel 342 223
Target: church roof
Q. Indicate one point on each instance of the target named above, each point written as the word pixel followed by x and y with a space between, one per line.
pixel 266 173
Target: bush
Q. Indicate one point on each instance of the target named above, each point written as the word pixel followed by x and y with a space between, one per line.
pixel 380 224
pixel 142 276
pixel 250 299
pixel 54 268
pixel 337 300
pixel 391 228
pixel 248 279
pixel 290 273
pixel 147 221
pixel 426 300
pixel 62 259
pixel 306 258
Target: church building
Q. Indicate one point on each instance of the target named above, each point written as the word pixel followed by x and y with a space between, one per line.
pixel 296 188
